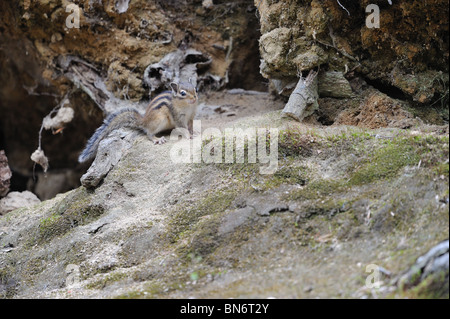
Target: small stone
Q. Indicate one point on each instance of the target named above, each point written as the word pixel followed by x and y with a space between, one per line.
pixel 16 200
pixel 5 174
pixel 308 289
pixel 207 4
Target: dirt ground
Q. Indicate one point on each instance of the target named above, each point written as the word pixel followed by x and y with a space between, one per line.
pixel 217 109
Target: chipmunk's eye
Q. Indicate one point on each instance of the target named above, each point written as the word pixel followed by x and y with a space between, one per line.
pixel 183 93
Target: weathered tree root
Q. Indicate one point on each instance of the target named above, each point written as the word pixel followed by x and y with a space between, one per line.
pixel 303 100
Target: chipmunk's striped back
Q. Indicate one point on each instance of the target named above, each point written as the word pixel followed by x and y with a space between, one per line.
pixel 166 111
pixel 162 99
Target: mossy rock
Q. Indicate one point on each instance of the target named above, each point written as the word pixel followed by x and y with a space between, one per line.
pixel 76 209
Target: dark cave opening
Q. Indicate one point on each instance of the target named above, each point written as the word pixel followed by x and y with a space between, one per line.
pixel 388 89
pixel 244 70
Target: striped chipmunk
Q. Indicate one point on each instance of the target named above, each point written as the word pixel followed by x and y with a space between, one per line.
pixel 166 111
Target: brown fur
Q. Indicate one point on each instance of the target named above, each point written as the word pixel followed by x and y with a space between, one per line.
pixel 179 113
pixel 166 111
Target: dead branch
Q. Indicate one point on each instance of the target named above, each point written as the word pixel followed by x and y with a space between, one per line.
pixel 303 100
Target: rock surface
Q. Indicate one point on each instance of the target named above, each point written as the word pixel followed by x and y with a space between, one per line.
pixel 15 200
pixel 433 265
pixel 361 182
pixel 342 199
pixel 305 35
pixel 5 174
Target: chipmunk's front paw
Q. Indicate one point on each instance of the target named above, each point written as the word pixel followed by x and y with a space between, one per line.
pixel 160 140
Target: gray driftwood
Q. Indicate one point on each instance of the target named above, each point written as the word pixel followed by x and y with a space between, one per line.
pixel 109 152
pixel 176 66
pixel 88 78
pixel 303 100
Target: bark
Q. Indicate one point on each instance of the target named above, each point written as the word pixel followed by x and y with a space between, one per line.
pixel 109 153
pixel 303 100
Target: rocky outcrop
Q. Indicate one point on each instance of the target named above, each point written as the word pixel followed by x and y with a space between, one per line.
pixel 408 51
pixel 341 199
pixel 5 174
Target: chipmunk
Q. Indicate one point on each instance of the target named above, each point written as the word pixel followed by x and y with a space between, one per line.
pixel 166 111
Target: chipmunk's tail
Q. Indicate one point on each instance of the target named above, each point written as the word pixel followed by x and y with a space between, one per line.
pixel 122 118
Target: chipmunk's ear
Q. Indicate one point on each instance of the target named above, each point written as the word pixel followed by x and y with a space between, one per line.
pixel 174 87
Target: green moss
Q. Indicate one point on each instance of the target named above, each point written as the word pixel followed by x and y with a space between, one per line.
pixel 292 142
pixel 435 286
pixel 107 280
pixel 287 174
pixel 318 189
pixel 388 159
pixel 241 171
pixel 185 217
pixel 204 239
pixel 8 284
pixel 442 169
pixel 132 295
pixel 290 175
pixel 76 209
pixel 385 163
pixel 352 136
pixel 53 225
